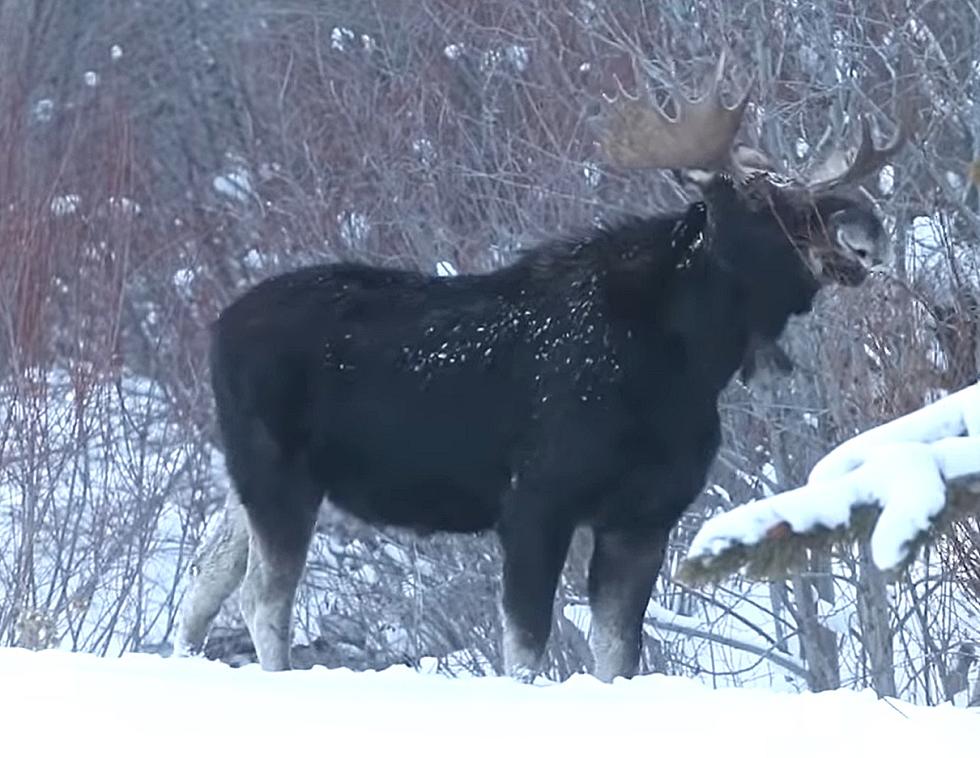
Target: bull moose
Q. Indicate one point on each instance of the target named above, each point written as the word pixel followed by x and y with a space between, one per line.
pixel 577 386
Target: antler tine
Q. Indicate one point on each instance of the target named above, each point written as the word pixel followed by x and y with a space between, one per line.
pixel 713 90
pixel 837 170
pixel 620 92
pixel 701 135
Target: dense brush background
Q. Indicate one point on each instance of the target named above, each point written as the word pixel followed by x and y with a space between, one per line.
pixel 158 158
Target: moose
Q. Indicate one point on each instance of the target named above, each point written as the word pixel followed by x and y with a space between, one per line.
pixel 576 387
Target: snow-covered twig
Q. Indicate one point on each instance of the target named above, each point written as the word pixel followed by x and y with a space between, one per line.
pixel 895 485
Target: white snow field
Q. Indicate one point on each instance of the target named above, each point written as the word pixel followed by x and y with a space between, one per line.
pixel 60 703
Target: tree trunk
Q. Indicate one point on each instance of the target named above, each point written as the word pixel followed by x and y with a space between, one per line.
pixel 874 613
pixel 818 645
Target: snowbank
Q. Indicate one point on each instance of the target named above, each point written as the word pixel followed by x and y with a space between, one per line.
pixel 58 703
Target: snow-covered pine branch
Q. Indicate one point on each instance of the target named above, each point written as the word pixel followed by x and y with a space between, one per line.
pixel 897 485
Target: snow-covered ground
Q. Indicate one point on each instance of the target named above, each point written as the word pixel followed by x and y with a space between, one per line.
pixel 59 703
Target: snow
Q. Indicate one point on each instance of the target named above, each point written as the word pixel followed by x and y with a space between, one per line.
pixel 518 56
pixel 425 150
pixel 172 706
pixel 183 280
pixel 43 110
pixel 341 37
pixel 236 184
pixel 446 268
pixel 124 205
pixel 886 180
pixel 354 228
pixel 65 205
pixel 592 173
pixel 952 416
pixel 902 466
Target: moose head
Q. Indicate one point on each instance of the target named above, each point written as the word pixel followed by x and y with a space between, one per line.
pixel 830 228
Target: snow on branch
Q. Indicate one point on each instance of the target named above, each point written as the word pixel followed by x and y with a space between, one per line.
pixel 896 485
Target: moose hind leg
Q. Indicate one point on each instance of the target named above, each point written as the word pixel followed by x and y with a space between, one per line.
pixel 622 572
pixel 534 554
pixel 268 593
pixel 216 572
pixel 282 509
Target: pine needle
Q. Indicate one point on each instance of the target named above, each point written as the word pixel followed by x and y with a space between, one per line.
pixel 782 551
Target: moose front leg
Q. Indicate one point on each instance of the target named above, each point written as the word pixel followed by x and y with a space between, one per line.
pixel 534 548
pixel 624 567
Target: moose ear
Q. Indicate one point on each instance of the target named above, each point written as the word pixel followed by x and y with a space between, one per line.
pixel 752 161
pixel 746 162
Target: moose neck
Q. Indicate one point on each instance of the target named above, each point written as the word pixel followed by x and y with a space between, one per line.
pixel 766 267
pixel 730 292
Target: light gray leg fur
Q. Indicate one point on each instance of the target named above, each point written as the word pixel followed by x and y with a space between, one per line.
pixel 613 647
pixel 521 661
pixel 267 602
pixel 216 572
pixel 624 567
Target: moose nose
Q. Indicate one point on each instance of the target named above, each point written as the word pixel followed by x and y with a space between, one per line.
pixel 870 250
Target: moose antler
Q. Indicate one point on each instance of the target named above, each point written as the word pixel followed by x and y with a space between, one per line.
pixel 701 136
pixel 847 166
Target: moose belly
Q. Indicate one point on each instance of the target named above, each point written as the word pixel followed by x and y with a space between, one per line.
pixel 425 504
